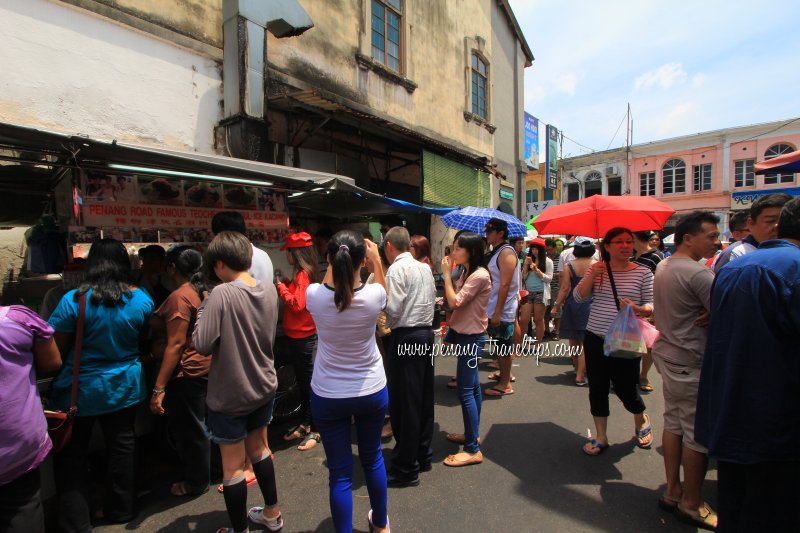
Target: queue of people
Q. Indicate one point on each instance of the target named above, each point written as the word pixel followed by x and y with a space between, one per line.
pixel 211 341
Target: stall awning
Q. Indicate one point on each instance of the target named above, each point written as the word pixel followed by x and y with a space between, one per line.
pixel 32 160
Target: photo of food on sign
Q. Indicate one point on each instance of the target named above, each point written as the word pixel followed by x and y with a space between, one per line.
pixel 271 201
pixel 160 191
pixel 240 197
pixel 202 194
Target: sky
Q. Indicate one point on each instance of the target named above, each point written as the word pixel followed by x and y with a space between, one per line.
pixel 684 66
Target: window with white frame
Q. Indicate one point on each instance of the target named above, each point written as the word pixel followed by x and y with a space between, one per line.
pixel 387 16
pixel 480 86
pixel 773 178
pixel 744 173
pixel 702 177
pixel 647 184
pixel 673 177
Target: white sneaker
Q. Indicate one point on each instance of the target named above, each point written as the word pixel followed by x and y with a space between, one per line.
pixel 256 514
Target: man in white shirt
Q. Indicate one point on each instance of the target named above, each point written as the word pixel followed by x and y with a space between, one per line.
pixel 261 268
pixel 409 359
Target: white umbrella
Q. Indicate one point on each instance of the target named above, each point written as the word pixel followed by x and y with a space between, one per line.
pixel 669 239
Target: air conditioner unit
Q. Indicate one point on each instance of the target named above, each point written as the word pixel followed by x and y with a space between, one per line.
pixel 611 171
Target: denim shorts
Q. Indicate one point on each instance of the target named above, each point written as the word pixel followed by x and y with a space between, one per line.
pixel 226 429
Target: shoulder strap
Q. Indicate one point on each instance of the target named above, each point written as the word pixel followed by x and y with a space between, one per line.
pixel 613 286
pixel 76 365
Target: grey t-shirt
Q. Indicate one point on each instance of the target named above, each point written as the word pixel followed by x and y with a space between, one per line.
pixel 236 325
pixel 682 291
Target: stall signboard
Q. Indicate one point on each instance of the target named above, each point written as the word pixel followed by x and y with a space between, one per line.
pixel 537 208
pixel 531 153
pixel 155 209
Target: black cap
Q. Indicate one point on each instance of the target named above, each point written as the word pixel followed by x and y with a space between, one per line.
pixel 497 224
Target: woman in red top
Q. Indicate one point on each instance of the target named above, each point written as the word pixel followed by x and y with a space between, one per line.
pixel 299 328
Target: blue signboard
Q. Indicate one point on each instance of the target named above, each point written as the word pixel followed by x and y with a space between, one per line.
pixel 551 168
pixel 744 199
pixel 531 154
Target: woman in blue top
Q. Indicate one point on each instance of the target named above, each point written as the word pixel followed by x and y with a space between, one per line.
pixel 111 383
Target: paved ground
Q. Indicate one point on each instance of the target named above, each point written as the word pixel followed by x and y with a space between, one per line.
pixel 534 477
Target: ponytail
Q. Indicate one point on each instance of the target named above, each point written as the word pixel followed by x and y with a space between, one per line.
pixel 346 251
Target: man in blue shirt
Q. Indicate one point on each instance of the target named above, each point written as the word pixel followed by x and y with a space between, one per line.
pixel 748 408
pixel 763 217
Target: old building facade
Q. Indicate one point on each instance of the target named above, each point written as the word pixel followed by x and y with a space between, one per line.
pixel 711 171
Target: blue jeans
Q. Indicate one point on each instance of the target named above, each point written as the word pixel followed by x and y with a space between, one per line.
pixel 469 385
pixel 332 418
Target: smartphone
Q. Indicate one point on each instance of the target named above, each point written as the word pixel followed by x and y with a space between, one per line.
pixel 446 250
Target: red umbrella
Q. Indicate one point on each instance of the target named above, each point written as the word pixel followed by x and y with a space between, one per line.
pixel 595 215
pixel 788 163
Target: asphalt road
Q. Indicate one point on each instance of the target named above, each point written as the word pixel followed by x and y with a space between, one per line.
pixel 534 476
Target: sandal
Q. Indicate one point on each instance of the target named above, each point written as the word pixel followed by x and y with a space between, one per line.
pixel 452 384
pixel 297 432
pixel 494 391
pixel 307 439
pixel 371 526
pixel 494 365
pixel 668 503
pixel 704 517
pixel 644 436
pixel 595 448
pixel 495 376
pixel 581 382
pixel 646 386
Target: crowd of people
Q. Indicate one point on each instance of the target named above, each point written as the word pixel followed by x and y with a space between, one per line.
pixel 360 319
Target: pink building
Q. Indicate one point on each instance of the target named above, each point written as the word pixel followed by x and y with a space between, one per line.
pixel 711 171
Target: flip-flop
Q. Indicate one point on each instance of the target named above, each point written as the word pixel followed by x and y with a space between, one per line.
pixel 668 503
pixel 308 438
pixel 643 433
pixel 250 483
pixel 646 387
pixel 495 376
pixel 494 391
pixel 596 445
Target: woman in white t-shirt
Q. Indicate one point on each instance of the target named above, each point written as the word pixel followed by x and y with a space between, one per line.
pixel 348 379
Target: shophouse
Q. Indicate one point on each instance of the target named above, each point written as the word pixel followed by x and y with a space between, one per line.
pixel 711 171
pixel 419 101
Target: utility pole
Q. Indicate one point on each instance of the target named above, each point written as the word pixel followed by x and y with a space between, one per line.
pixel 628 142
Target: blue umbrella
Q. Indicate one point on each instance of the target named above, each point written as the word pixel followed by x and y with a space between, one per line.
pixel 475 219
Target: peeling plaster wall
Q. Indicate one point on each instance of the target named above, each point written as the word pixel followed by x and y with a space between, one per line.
pixel 67 70
pixel 434 34
pixel 12 252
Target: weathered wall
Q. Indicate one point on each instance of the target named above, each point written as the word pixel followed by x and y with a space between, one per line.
pixel 434 60
pixel 12 252
pixel 67 70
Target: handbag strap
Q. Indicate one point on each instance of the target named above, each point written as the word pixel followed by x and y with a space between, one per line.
pixel 76 366
pixel 613 285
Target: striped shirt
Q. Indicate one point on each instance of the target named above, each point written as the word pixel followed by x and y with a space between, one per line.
pixel 635 284
pixel 650 259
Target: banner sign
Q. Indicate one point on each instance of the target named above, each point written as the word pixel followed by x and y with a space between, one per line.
pixel 537 208
pixel 531 138
pixel 139 207
pixel 744 199
pixel 551 170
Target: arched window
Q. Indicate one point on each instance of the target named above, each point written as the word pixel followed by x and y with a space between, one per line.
pixel 673 177
pixel 774 151
pixel 593 184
